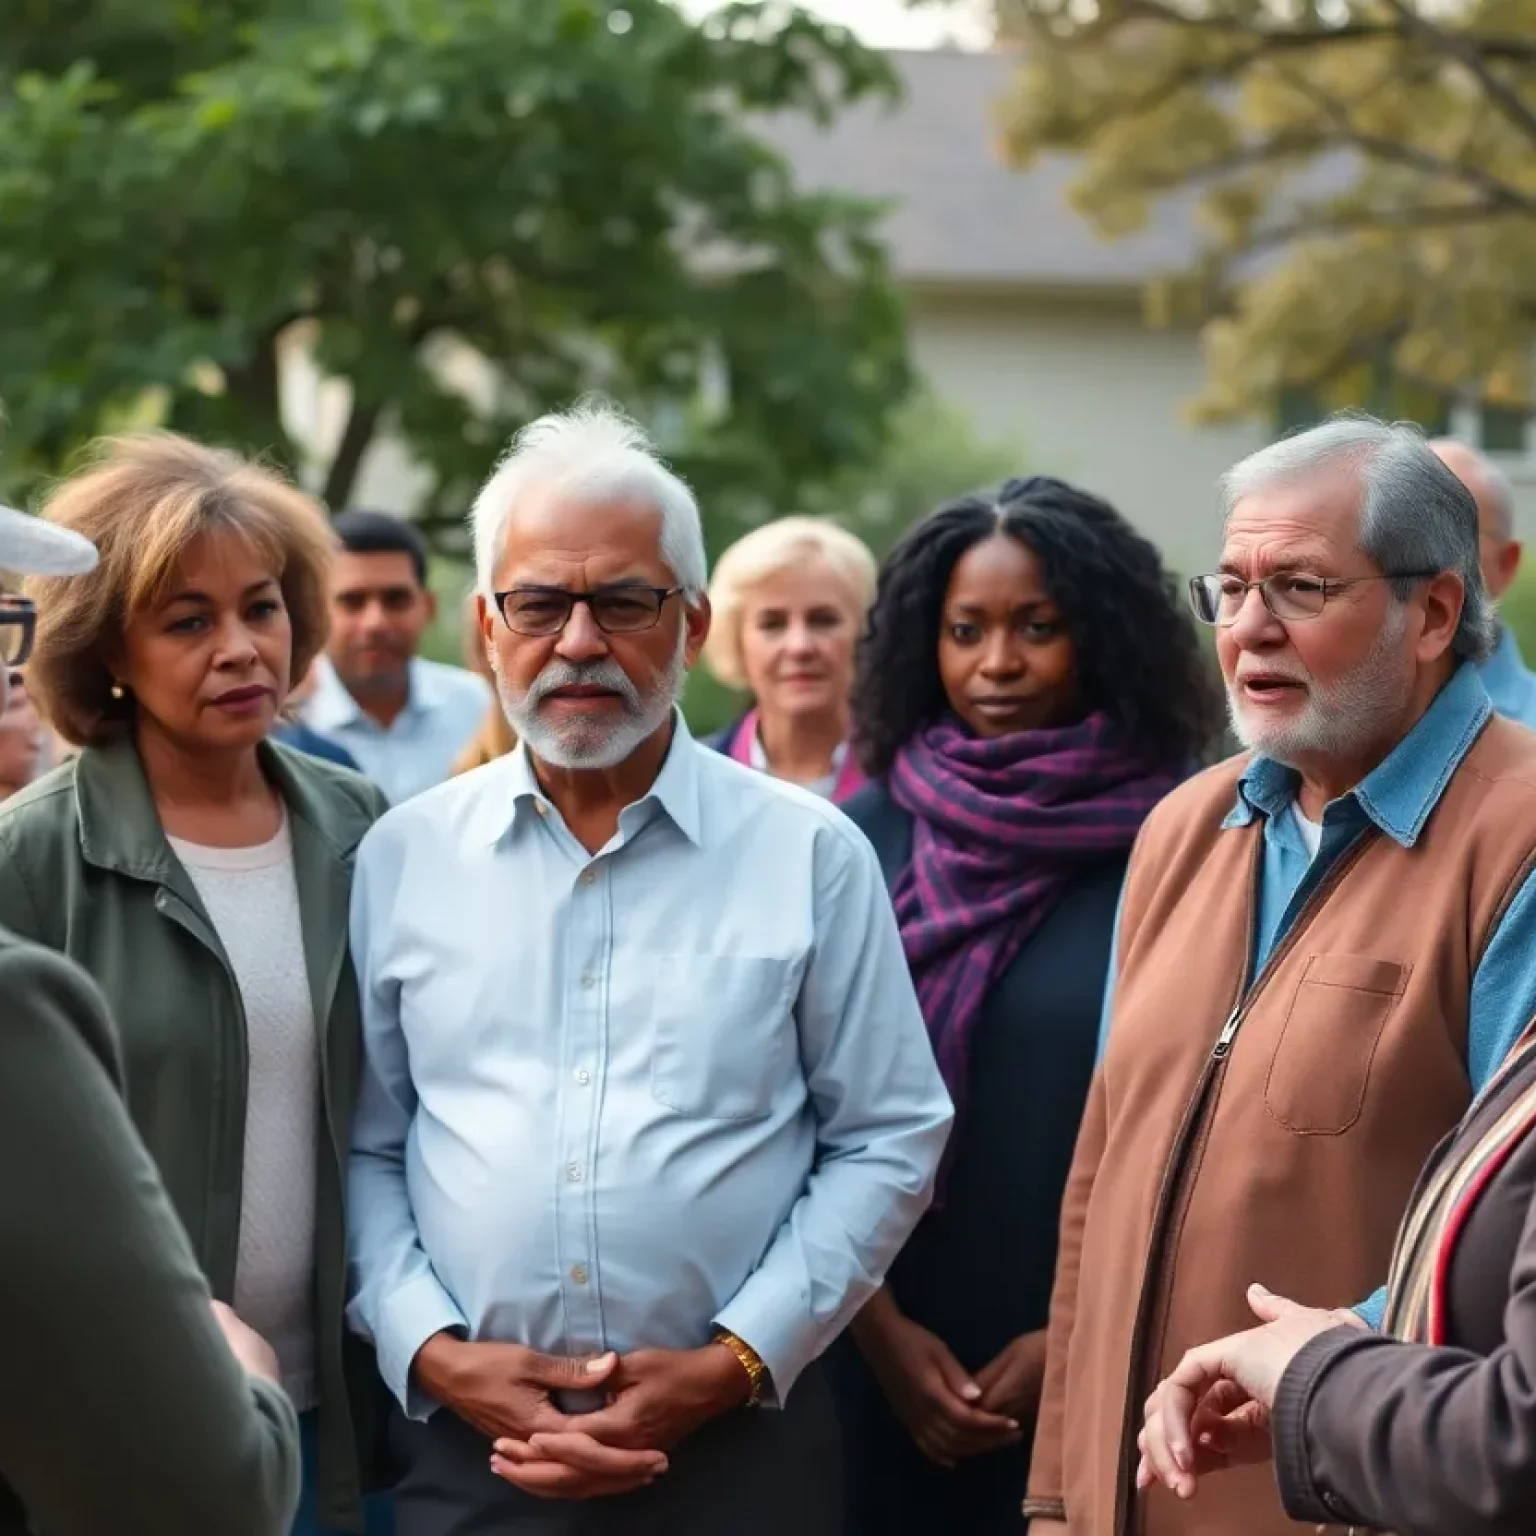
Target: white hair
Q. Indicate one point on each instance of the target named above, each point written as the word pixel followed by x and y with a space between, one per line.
pixel 1415 515
pixel 593 450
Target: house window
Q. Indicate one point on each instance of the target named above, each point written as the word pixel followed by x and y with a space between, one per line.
pixel 1299 406
pixel 1501 429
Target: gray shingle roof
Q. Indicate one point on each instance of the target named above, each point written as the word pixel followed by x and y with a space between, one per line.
pixel 961 215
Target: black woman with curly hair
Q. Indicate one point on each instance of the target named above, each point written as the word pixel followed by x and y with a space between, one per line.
pixel 1029 686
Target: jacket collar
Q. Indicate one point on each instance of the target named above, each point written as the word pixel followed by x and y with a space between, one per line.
pixel 1401 791
pixel 120 828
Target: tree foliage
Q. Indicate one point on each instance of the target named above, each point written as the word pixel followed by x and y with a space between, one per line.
pixel 1363 173
pixel 568 189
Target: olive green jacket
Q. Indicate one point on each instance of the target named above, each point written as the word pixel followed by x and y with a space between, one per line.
pixel 87 871
pixel 122 1410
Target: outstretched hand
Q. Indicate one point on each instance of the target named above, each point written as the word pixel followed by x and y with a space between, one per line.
pixel 1214 1410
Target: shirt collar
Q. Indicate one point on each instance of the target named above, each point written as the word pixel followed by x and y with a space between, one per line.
pixel 331 707
pixel 1401 791
pixel 514 792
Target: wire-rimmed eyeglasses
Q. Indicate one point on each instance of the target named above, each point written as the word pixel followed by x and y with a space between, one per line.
pixel 1289 595
pixel 618 610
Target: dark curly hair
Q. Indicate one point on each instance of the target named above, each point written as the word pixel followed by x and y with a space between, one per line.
pixel 1137 653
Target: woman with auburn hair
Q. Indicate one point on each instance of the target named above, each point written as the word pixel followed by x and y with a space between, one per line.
pixel 1029 687
pixel 789 599
pixel 201 874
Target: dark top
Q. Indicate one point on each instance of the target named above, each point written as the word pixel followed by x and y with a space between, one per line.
pixel 1421 1441
pixel 122 1409
pixel 296 734
pixel 978 1271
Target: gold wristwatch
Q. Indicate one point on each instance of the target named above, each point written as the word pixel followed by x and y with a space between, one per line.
pixel 751 1363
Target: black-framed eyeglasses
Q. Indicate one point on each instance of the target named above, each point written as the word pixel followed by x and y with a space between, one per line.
pixel 1290 596
pixel 623 610
pixel 18 626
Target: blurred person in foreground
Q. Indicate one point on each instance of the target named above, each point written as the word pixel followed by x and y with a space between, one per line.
pixel 130 1402
pixel 1510 683
pixel 788 601
pixel 201 875
pixel 23 737
pixel 648 1105
pixel 1427 1428
pixel 1029 687
pixel 402 718
pixel 495 738
pixel 1287 1035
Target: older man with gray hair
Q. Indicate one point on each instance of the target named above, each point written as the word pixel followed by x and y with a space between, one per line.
pixel 1325 946
pixel 648 1105
pixel 1510 683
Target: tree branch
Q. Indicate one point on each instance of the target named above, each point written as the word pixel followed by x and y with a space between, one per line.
pixel 1499 91
pixel 1430 216
pixel 1486 45
pixel 362 423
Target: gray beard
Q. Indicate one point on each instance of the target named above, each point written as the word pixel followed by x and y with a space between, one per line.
pixel 594 745
pixel 1351 715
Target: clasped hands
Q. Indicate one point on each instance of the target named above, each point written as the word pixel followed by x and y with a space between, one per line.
pixel 655 1398
pixel 1214 1410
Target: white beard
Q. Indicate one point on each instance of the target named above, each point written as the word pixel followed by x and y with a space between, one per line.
pixel 591 744
pixel 1348 716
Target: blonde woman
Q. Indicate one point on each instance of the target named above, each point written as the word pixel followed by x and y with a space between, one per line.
pixel 201 875
pixel 789 601
pixel 495 737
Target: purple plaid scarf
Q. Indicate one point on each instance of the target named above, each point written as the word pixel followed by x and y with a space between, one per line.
pixel 1001 828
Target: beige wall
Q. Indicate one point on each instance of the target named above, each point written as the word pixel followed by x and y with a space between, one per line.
pixel 1086 393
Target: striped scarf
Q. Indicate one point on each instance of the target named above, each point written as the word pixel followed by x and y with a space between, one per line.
pixel 1002 826
pixel 1427 1241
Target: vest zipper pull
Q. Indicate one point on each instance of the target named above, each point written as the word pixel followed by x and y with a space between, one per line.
pixel 1228 1030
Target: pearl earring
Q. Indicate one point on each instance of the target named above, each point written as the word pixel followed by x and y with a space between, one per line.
pixel 117 690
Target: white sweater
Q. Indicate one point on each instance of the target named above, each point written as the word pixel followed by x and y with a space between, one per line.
pixel 253 900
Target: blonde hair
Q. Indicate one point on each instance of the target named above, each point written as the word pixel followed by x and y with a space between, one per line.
pixel 141 500
pixel 769 551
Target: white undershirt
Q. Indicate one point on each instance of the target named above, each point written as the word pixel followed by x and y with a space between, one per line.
pixel 253 899
pixel 1311 831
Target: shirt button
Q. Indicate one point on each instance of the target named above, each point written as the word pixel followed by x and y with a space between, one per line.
pixel 583 1076
pixel 573 1172
pixel 579 1273
pixel 588 979
pixel 588 876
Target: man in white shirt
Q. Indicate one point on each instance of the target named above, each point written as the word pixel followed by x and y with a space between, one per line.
pixel 648 1105
pixel 401 718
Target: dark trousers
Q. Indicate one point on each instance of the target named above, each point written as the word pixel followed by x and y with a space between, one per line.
pixel 755 1472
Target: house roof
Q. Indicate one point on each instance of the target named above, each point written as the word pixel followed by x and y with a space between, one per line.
pixel 960 215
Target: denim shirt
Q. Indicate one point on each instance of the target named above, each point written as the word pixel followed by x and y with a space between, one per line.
pixel 1397 797
pixel 1510 684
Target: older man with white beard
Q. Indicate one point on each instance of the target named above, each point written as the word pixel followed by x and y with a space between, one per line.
pixel 648 1105
pixel 1325 947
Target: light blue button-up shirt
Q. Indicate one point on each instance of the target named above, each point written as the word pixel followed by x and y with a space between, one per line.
pixel 1398 797
pixel 1510 685
pixel 611 1101
pixel 443 710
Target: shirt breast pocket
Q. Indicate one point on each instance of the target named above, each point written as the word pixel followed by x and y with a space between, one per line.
pixel 722 1034
pixel 1322 1062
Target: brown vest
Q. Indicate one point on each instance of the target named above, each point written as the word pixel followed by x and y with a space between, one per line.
pixel 1274 1135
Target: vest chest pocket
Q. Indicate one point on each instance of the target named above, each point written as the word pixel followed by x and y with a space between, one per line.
pixel 1322 1062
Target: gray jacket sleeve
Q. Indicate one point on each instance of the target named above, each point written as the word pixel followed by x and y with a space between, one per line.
pixel 121 1406
pixel 1370 1431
